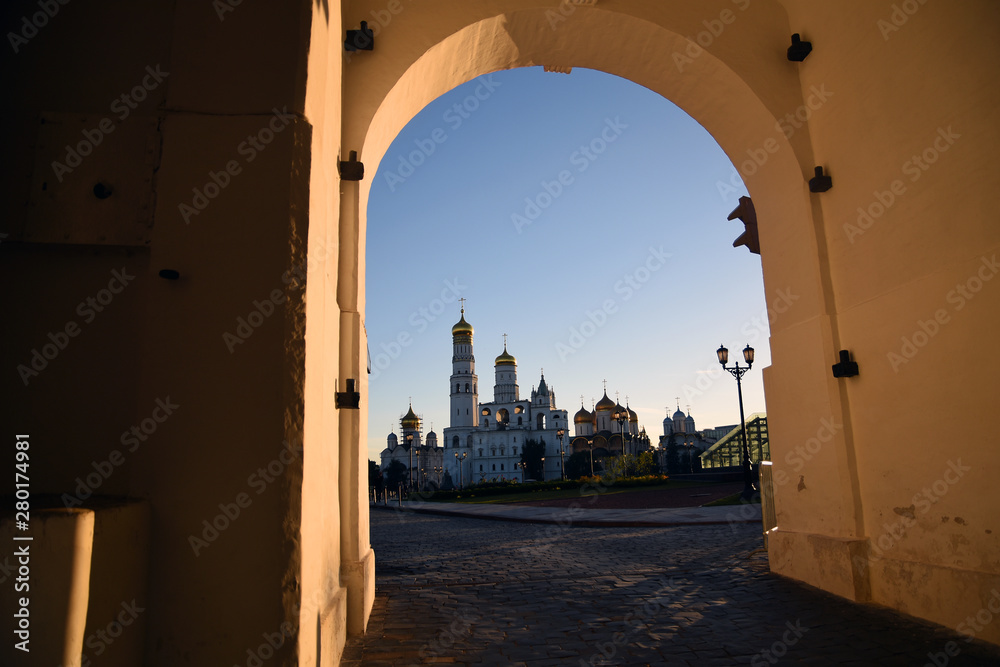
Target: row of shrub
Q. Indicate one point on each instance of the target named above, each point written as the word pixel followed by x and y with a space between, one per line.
pixel 486 489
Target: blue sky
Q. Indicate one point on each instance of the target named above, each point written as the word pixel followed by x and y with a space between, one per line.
pixel 582 215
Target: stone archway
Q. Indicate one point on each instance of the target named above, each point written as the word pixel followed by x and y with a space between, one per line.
pixel 823 292
pixel 738 93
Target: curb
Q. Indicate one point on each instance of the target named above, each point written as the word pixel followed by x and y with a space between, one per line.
pixel 582 523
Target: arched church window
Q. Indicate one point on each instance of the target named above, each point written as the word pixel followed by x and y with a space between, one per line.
pixel 501 466
pixel 468 441
pixel 501 451
pixel 494 467
pixel 480 467
pixel 480 453
pixel 454 442
pixel 513 451
pixel 493 451
pixel 520 421
pixel 466 387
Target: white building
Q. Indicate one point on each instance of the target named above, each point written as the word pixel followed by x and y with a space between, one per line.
pixel 599 431
pixel 485 440
pixel 421 458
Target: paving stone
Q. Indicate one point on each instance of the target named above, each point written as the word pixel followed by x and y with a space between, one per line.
pixel 454 590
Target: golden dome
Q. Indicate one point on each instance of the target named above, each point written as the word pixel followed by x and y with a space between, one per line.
pixel 410 420
pixel 605 404
pixel 583 417
pixel 462 328
pixel 505 359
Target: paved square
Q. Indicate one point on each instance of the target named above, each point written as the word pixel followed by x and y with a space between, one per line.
pixel 466 591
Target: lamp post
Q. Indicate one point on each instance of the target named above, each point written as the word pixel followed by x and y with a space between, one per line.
pixel 621 416
pixel 543 469
pixel 737 372
pixel 591 456
pixel 460 459
pixel 409 470
pixel 418 473
pixel 562 463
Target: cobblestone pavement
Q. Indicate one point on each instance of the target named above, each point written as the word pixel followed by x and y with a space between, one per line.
pixel 468 592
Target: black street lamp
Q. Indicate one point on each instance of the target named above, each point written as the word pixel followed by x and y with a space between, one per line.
pixel 460 459
pixel 409 471
pixel 737 372
pixel 562 463
pixel 412 488
pixel 621 416
pixel 543 468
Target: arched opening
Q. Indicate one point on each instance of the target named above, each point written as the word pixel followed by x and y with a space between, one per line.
pixel 739 93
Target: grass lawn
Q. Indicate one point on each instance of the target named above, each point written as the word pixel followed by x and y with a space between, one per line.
pixel 551 494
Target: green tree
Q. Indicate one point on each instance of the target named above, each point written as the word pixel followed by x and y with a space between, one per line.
pixel 531 457
pixel 373 473
pixel 673 457
pixel 578 465
pixel 395 474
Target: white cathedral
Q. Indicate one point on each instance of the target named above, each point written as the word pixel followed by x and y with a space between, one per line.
pixel 485 440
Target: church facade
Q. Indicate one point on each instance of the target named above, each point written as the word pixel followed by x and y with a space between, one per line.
pixel 421 458
pixel 485 440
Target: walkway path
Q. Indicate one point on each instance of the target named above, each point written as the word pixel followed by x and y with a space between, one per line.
pixel 457 590
pixel 581 516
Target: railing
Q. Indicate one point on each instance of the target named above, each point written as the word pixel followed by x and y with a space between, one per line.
pixel 768 517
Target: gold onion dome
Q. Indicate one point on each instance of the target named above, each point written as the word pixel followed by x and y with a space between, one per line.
pixel 583 417
pixel 632 417
pixel 505 358
pixel 410 420
pixel 605 404
pixel 462 328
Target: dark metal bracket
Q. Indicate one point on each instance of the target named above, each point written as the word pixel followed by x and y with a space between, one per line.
pixel 349 399
pixel 846 368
